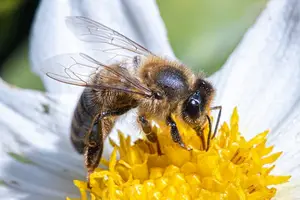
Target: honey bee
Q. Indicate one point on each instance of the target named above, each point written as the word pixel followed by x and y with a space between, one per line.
pixel 156 86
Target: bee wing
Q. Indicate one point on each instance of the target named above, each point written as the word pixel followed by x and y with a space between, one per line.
pixel 94 33
pixel 80 69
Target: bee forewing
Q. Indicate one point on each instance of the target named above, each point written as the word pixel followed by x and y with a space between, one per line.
pixel 80 69
pixel 103 39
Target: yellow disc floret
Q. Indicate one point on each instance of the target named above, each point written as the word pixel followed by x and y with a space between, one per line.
pixel 232 168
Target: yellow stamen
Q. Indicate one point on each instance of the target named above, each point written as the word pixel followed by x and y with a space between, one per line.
pixel 232 168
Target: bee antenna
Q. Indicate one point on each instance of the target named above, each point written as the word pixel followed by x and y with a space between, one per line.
pixel 218 119
pixel 209 133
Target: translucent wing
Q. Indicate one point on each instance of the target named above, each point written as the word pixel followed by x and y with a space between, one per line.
pixel 94 33
pixel 81 69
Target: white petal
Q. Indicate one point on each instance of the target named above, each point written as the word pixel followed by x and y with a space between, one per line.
pixel 262 76
pixel 13 194
pixel 10 194
pixel 37 133
pixel 286 139
pixel 138 20
pixel 50 37
pixel 148 23
pixel 288 191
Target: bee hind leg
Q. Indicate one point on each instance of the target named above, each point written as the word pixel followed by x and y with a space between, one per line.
pixel 100 127
pixel 150 133
pixel 93 152
pixel 93 147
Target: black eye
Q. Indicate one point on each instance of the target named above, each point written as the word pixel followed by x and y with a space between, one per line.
pixel 193 106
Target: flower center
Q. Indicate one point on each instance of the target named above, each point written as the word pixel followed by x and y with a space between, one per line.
pixel 232 168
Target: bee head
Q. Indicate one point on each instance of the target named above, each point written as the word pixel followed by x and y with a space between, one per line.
pixel 195 107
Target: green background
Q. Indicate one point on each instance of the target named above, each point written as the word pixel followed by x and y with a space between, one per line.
pixel 202 34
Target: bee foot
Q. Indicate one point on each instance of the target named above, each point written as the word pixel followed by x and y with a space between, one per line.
pixel 88 179
pixel 89 185
pixel 189 148
pixel 185 147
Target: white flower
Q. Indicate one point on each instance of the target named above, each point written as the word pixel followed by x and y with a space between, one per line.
pixel 262 78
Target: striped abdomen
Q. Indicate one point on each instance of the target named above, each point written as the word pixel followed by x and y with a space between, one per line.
pixel 84 113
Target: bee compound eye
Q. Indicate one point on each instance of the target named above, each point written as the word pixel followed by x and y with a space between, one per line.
pixel 192 109
pixel 193 106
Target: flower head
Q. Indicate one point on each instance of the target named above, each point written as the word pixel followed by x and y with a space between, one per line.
pixel 232 168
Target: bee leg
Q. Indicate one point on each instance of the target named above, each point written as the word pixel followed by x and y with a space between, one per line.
pixel 94 138
pixel 209 133
pixel 93 146
pixel 93 152
pixel 149 132
pixel 175 134
pixel 199 131
pixel 218 119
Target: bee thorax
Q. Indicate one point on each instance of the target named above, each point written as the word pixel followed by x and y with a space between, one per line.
pixel 172 82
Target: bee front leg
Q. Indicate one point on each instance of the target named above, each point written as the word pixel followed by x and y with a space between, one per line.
pixel 175 133
pixel 149 132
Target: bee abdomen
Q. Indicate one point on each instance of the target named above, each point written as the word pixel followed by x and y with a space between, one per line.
pixel 82 119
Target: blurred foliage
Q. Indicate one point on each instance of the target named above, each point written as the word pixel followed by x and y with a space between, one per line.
pixel 15 21
pixel 7 9
pixel 8 6
pixel 21 75
pixel 202 33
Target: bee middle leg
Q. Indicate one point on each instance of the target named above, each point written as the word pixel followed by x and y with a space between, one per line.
pixel 149 132
pixel 175 133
